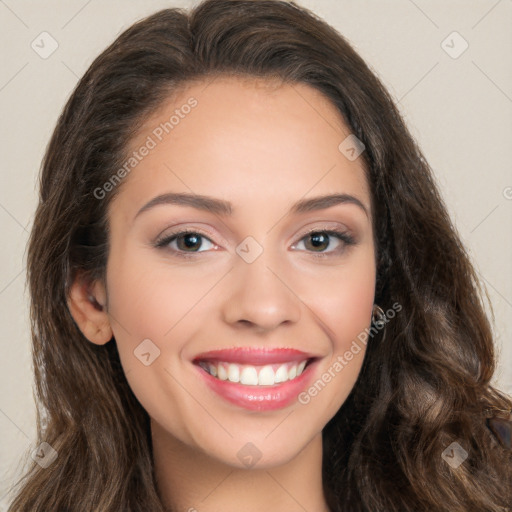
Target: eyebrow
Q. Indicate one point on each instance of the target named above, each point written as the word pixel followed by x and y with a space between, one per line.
pixel 225 208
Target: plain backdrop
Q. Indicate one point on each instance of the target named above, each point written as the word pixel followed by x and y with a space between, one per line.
pixel 447 64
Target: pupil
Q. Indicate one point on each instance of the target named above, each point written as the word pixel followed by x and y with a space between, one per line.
pixel 194 238
pixel 318 239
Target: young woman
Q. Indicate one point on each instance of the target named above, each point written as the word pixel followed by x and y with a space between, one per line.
pixel 246 290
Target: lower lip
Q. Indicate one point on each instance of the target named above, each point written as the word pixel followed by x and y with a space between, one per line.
pixel 259 398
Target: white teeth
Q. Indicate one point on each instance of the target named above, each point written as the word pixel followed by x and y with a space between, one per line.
pixel 234 373
pixel 266 376
pixel 222 374
pixel 249 375
pixel 281 374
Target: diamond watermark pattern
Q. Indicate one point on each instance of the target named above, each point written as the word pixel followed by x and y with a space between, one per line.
pixel 249 249
pixel 249 455
pixel 351 147
pixel 44 45
pixel 146 352
pixel 454 455
pixel 454 45
pixel 44 455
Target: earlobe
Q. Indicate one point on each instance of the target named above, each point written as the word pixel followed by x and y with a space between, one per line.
pixel 86 303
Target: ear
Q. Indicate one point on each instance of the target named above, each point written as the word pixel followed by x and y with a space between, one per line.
pixel 86 303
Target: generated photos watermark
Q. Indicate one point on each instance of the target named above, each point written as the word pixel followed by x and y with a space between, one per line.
pixel 343 360
pixel 157 135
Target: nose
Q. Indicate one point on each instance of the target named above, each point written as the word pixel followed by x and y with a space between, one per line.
pixel 259 296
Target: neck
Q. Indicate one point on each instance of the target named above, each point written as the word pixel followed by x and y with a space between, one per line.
pixel 190 480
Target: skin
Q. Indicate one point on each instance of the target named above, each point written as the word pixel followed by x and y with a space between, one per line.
pixel 262 146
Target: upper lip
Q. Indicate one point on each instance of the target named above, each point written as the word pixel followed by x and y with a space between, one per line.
pixel 254 356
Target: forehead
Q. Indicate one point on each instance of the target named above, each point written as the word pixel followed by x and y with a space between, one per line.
pixel 250 141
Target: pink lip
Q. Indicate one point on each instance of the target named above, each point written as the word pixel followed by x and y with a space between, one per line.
pixel 254 356
pixel 257 398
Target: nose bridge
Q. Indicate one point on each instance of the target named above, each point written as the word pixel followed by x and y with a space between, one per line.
pixel 258 290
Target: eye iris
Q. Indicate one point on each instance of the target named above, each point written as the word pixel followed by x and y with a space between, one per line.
pixel 318 239
pixel 196 241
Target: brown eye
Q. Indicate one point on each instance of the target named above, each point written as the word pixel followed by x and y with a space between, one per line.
pixel 318 241
pixel 185 242
pixel 190 241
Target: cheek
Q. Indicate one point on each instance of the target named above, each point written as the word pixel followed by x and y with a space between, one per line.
pixel 158 304
pixel 352 312
pixel 150 318
pixel 138 309
pixel 148 300
pixel 344 305
pixel 344 302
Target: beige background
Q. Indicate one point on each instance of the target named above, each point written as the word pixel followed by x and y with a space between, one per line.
pixel 459 110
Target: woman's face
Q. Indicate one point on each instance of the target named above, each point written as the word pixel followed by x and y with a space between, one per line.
pixel 249 295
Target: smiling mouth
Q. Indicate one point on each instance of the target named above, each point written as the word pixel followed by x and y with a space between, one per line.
pixel 255 375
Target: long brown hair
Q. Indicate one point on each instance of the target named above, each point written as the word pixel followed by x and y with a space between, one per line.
pixel 425 380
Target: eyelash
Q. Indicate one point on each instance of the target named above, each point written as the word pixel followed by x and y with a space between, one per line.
pixel 163 243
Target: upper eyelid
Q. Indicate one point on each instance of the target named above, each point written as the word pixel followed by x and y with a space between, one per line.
pixel 325 226
pixel 318 225
pixel 184 231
